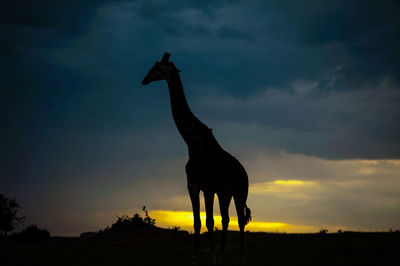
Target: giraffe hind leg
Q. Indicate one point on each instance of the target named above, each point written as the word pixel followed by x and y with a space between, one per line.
pixel 240 203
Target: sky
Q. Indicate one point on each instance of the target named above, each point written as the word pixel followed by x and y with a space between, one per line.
pixel 304 93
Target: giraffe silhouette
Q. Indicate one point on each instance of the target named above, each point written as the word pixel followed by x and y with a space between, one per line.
pixel 209 169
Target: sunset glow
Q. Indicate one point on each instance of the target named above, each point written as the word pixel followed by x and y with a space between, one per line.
pixel 281 186
pixel 290 182
pixel 184 220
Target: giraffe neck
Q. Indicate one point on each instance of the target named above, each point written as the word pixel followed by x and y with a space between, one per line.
pixel 188 125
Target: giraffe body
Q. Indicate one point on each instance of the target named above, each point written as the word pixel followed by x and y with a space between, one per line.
pixel 210 172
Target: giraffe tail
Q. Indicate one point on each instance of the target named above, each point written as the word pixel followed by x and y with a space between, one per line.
pixel 247 214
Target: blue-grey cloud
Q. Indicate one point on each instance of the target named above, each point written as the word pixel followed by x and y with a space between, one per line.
pixel 299 119
pixel 232 33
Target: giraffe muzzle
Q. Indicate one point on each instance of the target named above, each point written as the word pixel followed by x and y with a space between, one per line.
pixel 145 81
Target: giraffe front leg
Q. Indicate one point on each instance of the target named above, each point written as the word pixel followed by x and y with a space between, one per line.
pixel 209 202
pixel 224 201
pixel 194 193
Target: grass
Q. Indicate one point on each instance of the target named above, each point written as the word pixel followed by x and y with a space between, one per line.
pixel 262 249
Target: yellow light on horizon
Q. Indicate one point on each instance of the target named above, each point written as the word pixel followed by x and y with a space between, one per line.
pixel 290 182
pixel 184 219
pixel 280 186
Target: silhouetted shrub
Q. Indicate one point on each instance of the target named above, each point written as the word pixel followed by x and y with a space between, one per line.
pixel 175 228
pixel 33 234
pixel 137 228
pixel 323 231
pixel 136 220
pixel 147 219
pixel 125 224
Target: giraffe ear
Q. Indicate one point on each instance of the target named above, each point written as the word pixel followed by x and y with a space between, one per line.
pixel 165 58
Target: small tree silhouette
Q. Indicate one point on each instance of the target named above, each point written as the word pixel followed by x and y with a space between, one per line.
pixel 148 219
pixel 8 215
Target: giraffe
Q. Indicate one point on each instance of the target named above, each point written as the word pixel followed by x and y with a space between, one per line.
pixel 209 169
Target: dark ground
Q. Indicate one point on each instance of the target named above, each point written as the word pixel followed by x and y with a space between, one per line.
pixel 176 249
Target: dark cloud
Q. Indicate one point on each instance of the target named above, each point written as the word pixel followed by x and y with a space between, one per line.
pixel 162 8
pixel 349 22
pixel 338 125
pixel 68 16
pixel 44 23
pixel 343 46
pixel 365 32
pixel 232 33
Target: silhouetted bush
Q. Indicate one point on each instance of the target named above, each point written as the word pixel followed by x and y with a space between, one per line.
pixel 323 231
pixel 175 228
pixel 32 234
pixel 138 228
pixel 126 224
pixel 136 220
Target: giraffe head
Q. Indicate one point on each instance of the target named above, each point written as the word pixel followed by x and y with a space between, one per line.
pixel 160 71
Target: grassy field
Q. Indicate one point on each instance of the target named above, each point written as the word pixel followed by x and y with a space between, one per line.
pixel 172 249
